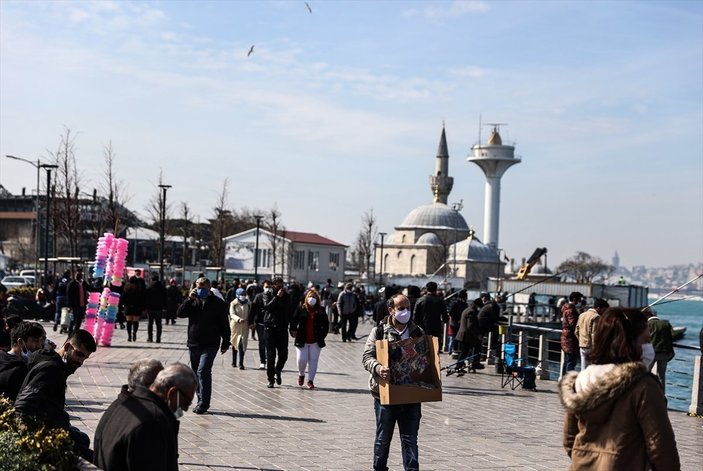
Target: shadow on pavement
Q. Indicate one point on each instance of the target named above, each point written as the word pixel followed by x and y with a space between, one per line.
pixel 225 466
pixel 267 417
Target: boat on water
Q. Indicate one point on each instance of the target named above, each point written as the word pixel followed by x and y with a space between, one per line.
pixel 679 333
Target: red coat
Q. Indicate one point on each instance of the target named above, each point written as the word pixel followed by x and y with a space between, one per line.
pixel 569 319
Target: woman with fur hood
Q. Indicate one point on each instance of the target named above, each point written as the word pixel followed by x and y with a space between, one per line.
pixel 616 415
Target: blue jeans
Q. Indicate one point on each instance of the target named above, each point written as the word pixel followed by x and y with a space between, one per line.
pixel 201 360
pixel 408 418
pixel 570 361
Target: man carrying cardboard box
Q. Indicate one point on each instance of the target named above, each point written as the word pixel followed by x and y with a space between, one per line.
pixel 394 327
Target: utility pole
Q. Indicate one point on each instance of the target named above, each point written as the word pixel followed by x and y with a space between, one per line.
pixel 164 188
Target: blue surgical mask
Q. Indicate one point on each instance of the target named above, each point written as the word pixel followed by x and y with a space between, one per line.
pixel 202 292
pixel 402 316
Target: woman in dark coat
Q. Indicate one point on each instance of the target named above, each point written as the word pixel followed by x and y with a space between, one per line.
pixel 309 327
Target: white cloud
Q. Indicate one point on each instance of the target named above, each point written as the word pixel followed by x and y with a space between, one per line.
pixel 468 71
pixel 77 15
pixel 455 9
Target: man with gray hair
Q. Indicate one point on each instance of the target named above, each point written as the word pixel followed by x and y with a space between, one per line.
pixel 129 433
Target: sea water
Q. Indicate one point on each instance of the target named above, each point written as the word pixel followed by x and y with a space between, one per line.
pixel 679 374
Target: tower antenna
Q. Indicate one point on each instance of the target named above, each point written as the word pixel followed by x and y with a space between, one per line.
pixel 479 131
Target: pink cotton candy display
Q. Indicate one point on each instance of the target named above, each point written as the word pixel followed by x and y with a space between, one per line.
pixel 91 311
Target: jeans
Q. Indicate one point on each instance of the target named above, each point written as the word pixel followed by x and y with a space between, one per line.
pixel 344 319
pixel 154 316
pixel 570 361
pixel 261 335
pixel 584 357
pixel 60 303
pixel 201 360
pixel 276 345
pixel 408 418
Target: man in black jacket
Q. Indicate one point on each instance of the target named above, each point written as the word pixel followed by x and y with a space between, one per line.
pixel 155 297
pixel 276 304
pixel 431 313
pixel 43 393
pixel 208 330
pixel 140 431
pixel 26 337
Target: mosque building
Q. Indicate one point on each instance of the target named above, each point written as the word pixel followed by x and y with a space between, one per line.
pixel 434 239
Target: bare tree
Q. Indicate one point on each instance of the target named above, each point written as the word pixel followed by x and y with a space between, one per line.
pixel 363 248
pixel 66 207
pixel 116 198
pixel 221 225
pixel 584 268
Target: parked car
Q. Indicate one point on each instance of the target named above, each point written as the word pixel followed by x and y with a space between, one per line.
pixel 31 273
pixel 16 282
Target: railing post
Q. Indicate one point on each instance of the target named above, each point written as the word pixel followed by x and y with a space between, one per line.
pixel 490 359
pixel 519 346
pixel 561 362
pixel 542 356
pixel 696 406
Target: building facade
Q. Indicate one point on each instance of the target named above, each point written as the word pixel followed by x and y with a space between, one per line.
pixel 295 256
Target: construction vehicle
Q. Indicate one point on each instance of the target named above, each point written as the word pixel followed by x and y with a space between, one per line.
pixel 527 266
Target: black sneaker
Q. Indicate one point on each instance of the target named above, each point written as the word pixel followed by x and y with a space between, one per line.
pixel 278 379
pixel 270 384
pixel 199 410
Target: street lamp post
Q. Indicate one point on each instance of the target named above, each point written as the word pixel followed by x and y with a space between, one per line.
pixel 48 168
pixel 456 207
pixel 380 272
pixel 36 165
pixel 256 249
pixel 164 188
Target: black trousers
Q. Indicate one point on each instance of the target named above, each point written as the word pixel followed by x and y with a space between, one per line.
pixel 154 317
pixel 276 346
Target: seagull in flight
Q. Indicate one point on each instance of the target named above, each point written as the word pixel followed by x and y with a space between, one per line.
pixel 307 5
pixel 251 50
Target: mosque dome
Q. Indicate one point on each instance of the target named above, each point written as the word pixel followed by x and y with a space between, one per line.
pixel 434 216
pixel 429 238
pixel 476 251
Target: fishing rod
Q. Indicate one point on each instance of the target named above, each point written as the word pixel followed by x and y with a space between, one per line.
pixel 535 284
pixel 677 299
pixel 675 290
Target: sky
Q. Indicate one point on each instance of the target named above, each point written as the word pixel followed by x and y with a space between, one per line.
pixel 339 111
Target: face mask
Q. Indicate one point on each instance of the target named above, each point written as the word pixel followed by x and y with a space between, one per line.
pixel 242 299
pixel 202 292
pixel 312 301
pixel 178 413
pixel 67 361
pixel 647 354
pixel 402 316
pixel 267 290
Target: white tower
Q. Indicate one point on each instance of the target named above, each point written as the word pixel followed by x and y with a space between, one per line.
pixel 494 159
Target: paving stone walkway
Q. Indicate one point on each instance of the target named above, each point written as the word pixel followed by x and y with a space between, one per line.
pixel 477 426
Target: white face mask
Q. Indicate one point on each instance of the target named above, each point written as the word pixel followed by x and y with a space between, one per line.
pixel 402 316
pixel 312 301
pixel 242 298
pixel 647 354
pixel 178 413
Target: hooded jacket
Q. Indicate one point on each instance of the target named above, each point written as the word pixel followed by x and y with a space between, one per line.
pixel 321 325
pixel 43 392
pixel 13 369
pixel 616 418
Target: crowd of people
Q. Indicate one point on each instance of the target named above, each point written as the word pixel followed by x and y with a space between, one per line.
pixel 616 348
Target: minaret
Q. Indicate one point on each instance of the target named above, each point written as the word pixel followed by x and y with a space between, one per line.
pixel 441 183
pixel 494 159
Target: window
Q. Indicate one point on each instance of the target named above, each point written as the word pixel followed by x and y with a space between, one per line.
pixel 334 261
pixel 412 264
pixel 403 239
pixel 263 258
pixel 400 254
pixel 313 260
pixel 299 260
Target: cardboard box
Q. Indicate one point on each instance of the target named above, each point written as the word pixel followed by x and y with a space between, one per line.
pixel 419 379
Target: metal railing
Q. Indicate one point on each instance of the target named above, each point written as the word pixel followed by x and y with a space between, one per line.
pixel 540 347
